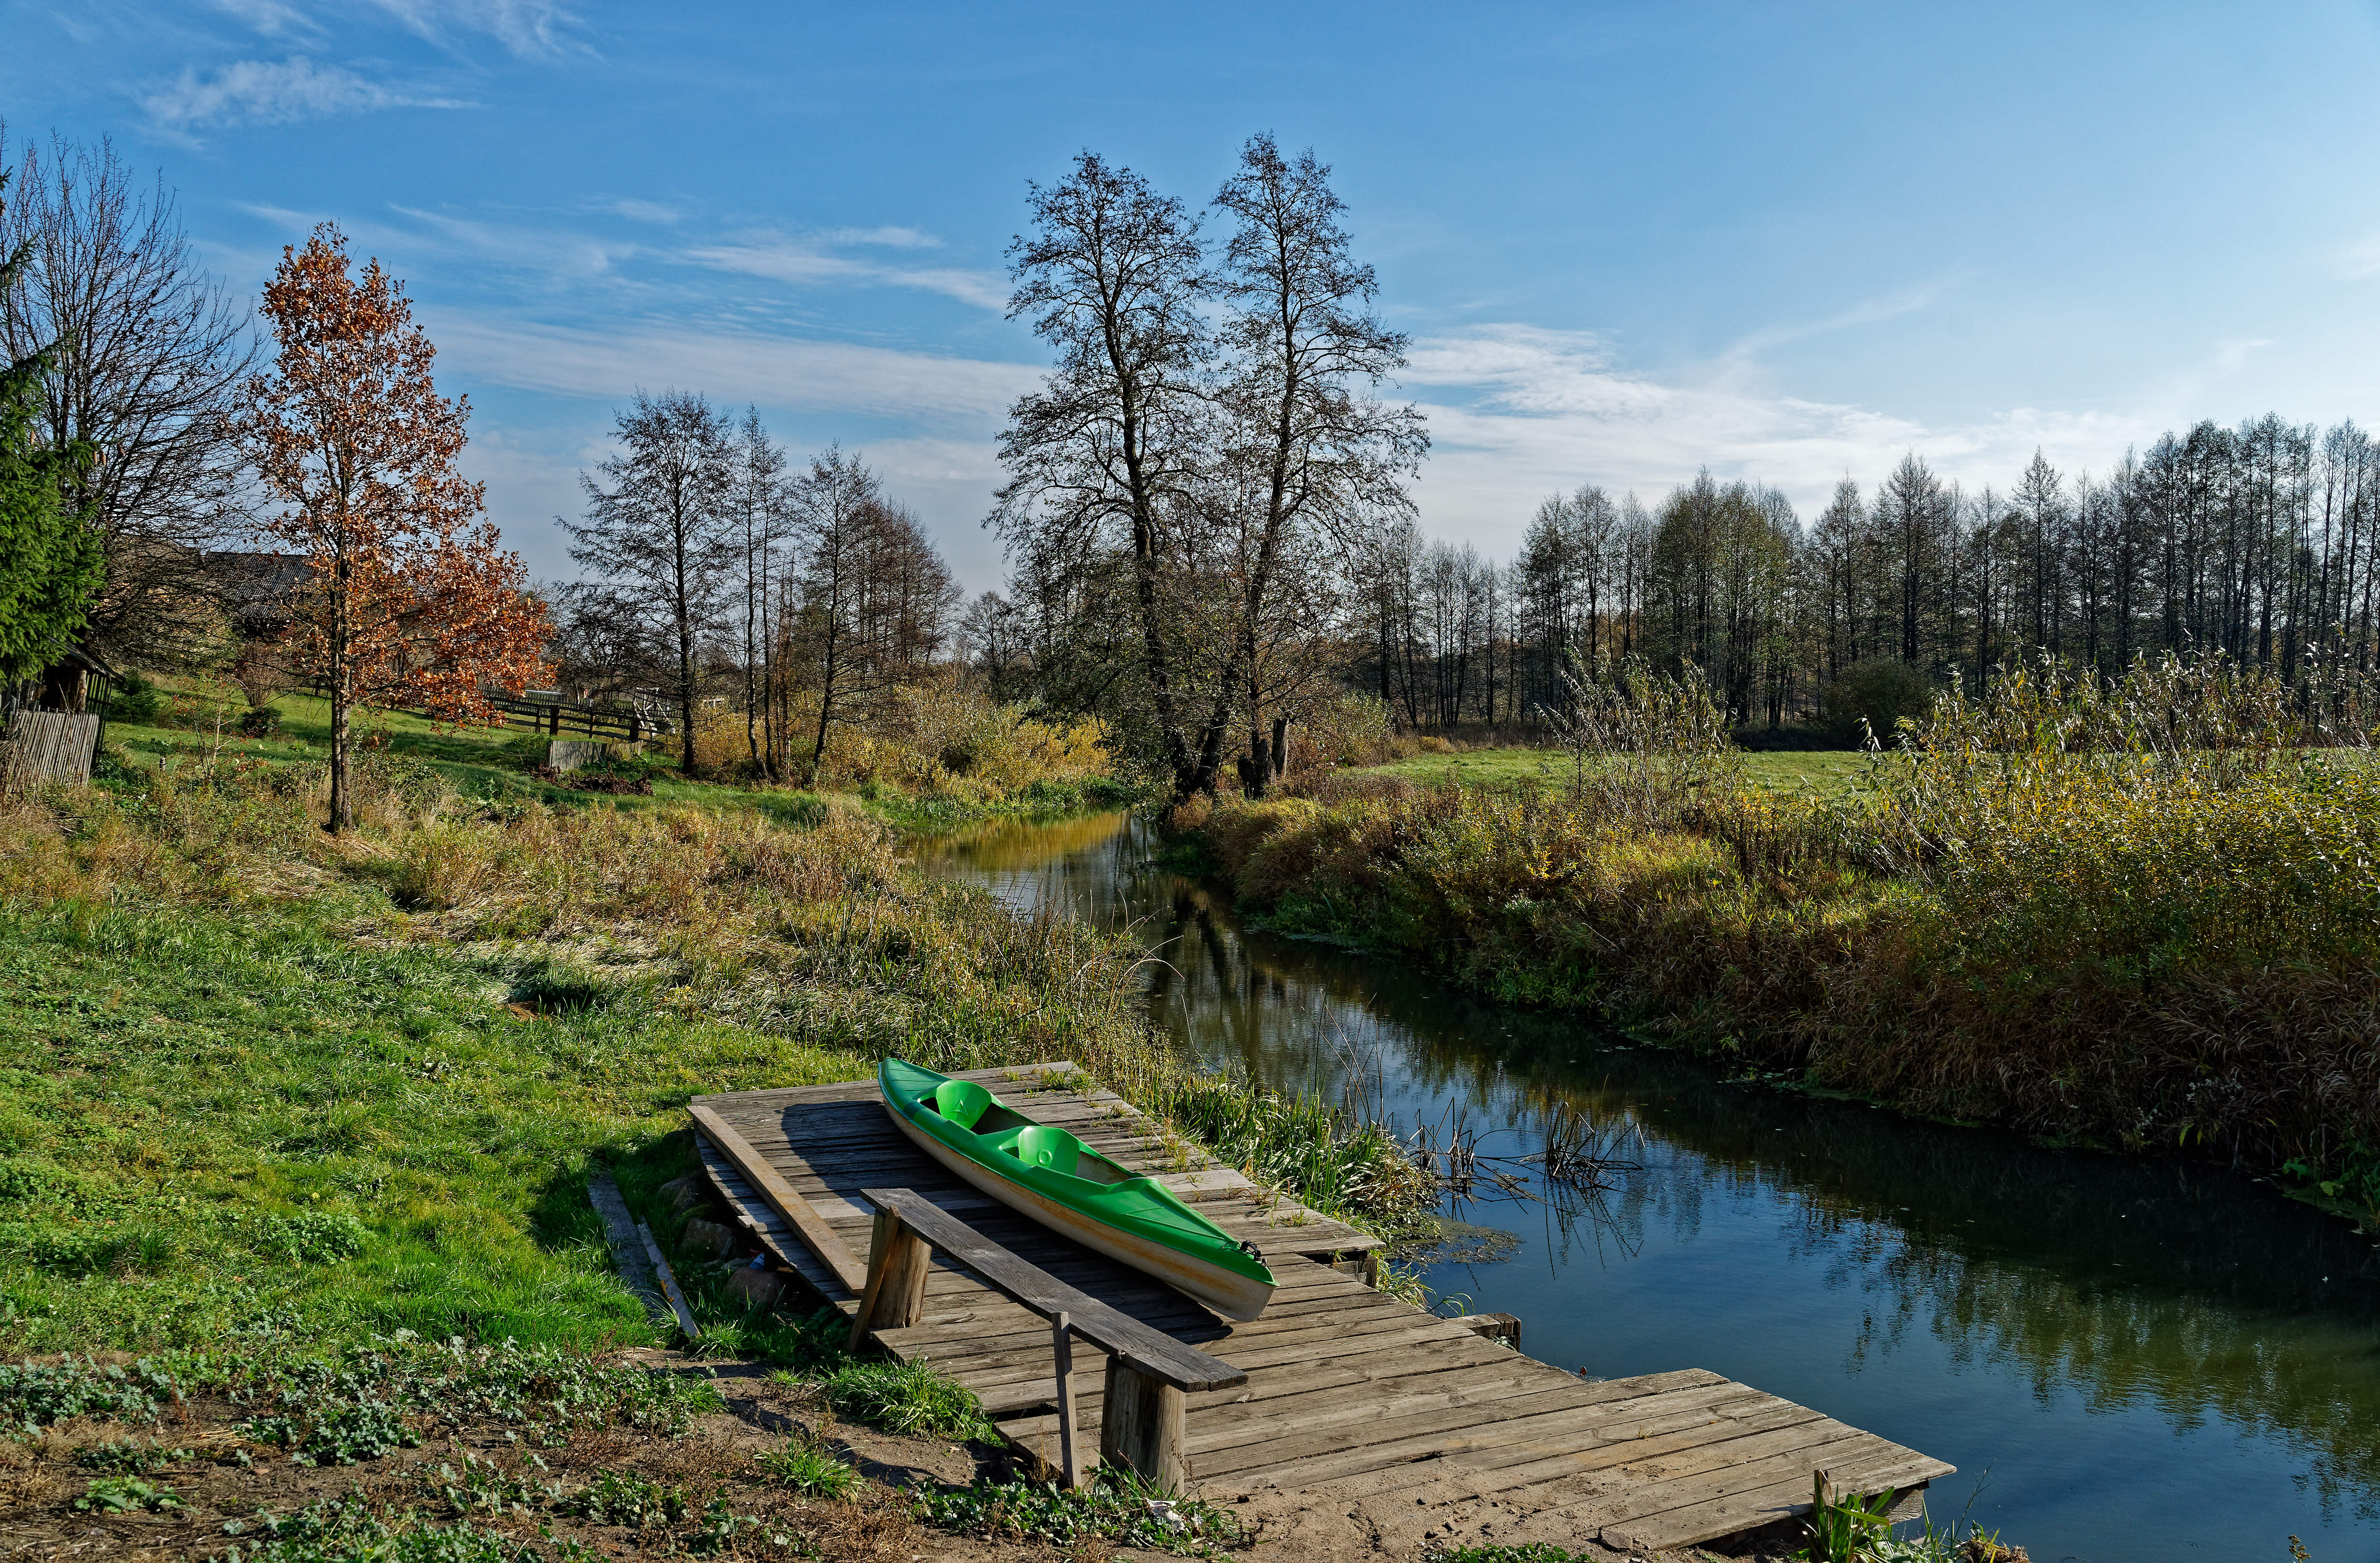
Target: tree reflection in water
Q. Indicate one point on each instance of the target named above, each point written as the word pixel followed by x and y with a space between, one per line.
pixel 2091 1285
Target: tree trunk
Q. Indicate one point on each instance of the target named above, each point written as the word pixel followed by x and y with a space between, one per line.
pixel 342 696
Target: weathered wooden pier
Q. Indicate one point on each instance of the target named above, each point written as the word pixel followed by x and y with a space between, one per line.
pixel 1349 1395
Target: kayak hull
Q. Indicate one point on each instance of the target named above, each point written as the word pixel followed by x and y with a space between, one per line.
pixel 1219 1287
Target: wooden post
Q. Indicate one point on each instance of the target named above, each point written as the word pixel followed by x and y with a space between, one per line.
pixel 1372 1268
pixel 1061 1348
pixel 1141 1425
pixel 898 1263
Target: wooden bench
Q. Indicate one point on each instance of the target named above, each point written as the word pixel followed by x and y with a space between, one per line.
pixel 1149 1373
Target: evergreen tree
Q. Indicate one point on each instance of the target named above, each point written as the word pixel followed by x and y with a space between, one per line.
pixel 49 559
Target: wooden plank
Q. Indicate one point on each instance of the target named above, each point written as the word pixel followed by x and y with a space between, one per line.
pixel 626 1244
pixel 1336 1388
pixel 1729 1513
pixel 669 1285
pixel 1122 1337
pixel 787 1203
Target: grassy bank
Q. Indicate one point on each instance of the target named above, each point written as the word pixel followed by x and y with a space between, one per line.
pixel 260 1077
pixel 2143 919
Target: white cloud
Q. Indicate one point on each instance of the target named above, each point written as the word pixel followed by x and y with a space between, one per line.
pixel 274 18
pixel 801 261
pixel 642 210
pixel 891 239
pixel 1535 411
pixel 266 92
pixel 734 368
pixel 526 26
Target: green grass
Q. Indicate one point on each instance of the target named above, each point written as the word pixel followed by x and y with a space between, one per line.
pixel 914 1399
pixel 1116 1507
pixel 214 1122
pixel 1816 771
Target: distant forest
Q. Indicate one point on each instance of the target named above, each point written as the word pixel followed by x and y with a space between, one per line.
pixel 2262 542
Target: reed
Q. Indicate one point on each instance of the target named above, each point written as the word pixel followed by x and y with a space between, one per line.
pixel 2140 914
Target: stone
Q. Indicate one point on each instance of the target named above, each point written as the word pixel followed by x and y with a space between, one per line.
pixel 707 1239
pixel 760 1288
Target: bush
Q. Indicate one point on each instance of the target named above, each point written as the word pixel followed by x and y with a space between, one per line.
pixel 2140 914
pixel 135 700
pixel 264 722
pixel 1884 691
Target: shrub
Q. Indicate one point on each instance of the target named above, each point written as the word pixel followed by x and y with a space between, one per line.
pixel 134 700
pixel 1115 1508
pixel 1881 690
pixel 262 722
pixel 2138 913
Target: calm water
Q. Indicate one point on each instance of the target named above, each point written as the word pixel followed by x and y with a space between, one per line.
pixel 2128 1362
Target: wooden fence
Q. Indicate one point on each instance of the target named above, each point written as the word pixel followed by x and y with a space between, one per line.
pixel 50 746
pixel 558 717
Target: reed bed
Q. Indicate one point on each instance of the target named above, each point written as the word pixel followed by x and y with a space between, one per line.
pixel 2146 914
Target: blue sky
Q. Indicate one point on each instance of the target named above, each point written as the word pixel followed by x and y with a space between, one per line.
pixel 1787 242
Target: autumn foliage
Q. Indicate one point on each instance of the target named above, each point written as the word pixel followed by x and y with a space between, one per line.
pixel 410 600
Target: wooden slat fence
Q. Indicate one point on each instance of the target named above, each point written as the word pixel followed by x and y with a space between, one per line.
pixel 50 746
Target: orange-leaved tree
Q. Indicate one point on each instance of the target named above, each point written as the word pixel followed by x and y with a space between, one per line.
pixel 408 598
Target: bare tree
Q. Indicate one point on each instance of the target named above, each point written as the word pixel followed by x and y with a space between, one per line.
pixel 149 353
pixel 1305 354
pixel 657 538
pixel 758 497
pixel 875 597
pixel 1109 454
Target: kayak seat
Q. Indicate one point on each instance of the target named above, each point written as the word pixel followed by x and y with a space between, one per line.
pixel 1053 1148
pixel 962 1102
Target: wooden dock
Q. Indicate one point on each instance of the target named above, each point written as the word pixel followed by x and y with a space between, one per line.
pixel 1351 1396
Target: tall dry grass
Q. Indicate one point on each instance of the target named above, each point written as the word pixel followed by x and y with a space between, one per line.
pixel 2142 914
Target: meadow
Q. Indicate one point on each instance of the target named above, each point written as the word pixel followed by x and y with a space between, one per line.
pixel 1822 771
pixel 356 1083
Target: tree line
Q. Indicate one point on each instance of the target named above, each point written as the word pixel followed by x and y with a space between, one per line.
pixel 2256 542
pixel 1210 536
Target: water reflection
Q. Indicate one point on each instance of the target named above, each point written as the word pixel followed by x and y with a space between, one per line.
pixel 2152 1358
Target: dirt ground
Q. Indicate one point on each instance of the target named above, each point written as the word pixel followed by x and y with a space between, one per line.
pixel 223 1484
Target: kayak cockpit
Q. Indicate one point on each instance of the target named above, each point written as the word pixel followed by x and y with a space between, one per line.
pixel 965 1105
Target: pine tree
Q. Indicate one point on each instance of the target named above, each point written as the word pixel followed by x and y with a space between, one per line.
pixel 50 566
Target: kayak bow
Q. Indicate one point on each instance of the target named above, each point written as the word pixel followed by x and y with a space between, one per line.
pixel 1049 1175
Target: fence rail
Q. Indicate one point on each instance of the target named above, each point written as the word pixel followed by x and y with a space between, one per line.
pixel 559 717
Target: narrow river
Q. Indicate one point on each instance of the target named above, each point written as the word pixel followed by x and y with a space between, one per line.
pixel 2128 1361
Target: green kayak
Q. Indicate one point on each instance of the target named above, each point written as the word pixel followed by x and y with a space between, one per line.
pixel 1046 1174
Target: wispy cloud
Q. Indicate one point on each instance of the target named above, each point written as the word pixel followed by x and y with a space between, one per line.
pixel 271 92
pixel 1532 411
pixel 891 239
pixel 274 18
pixel 779 371
pixel 641 211
pixel 804 261
pixel 528 28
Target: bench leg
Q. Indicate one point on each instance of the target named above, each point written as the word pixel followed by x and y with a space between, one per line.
pixel 898 1261
pixel 1141 1426
pixel 1062 1346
